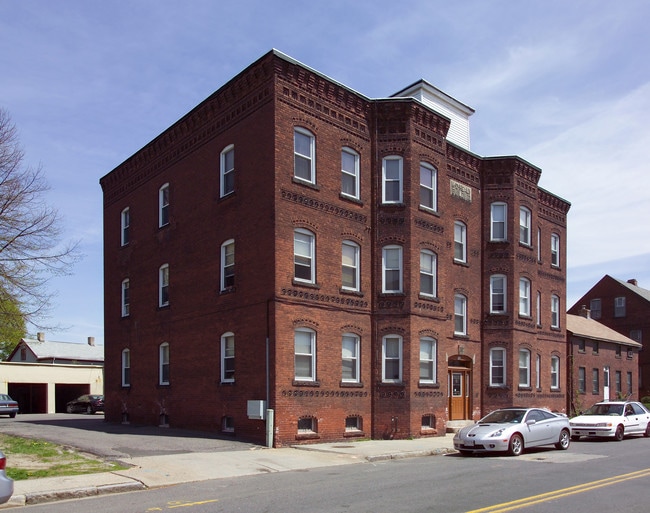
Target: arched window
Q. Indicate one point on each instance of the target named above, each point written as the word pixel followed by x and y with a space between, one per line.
pixel 304 155
pixel 228 357
pixel 126 368
pixel 227 170
pixel 163 364
pixel 391 269
pixel 228 264
pixel 304 256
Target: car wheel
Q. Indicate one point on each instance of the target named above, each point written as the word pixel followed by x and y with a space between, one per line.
pixel 516 445
pixel 620 433
pixel 89 410
pixel 13 416
pixel 565 440
pixel 69 409
pixel 647 431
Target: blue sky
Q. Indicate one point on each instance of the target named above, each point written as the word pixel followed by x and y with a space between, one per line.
pixel 564 85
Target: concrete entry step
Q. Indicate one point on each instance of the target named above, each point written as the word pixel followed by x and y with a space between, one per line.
pixel 454 426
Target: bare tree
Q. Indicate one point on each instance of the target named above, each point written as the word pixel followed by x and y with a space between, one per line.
pixel 31 248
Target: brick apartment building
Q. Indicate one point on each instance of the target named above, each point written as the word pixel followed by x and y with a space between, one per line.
pixel 624 307
pixel 345 262
pixel 604 364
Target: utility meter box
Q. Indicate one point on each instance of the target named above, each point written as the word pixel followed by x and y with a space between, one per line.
pixel 256 409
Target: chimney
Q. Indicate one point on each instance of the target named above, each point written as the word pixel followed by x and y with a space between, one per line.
pixel 632 282
pixel 585 312
pixel 91 341
pixel 40 336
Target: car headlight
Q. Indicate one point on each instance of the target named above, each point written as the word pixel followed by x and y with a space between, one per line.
pixel 497 433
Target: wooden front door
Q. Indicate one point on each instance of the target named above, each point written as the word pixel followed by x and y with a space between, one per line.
pixel 458 394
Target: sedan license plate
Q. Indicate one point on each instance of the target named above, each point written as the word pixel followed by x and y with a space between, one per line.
pixel 469 443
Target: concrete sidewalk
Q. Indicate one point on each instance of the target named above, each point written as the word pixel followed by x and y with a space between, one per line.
pixel 158 471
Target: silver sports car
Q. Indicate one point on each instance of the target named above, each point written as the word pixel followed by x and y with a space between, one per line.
pixel 512 430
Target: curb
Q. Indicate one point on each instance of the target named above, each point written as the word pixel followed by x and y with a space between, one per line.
pixel 413 454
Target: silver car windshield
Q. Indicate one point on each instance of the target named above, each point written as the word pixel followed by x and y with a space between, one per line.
pixel 504 417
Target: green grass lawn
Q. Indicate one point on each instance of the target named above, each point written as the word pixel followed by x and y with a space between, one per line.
pixel 32 459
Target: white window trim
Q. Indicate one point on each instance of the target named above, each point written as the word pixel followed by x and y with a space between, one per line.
pixel 384 269
pixel 493 279
pixel 555 250
pixel 430 361
pixel 163 205
pixel 125 226
pixel 163 359
pixel 354 175
pixel 311 256
pixel 525 366
pixel 524 297
pixel 463 314
pixel 538 309
pixel 223 172
pixel 126 366
pixel 354 358
pixel 555 372
pixel 462 240
pixel 311 354
pixel 355 267
pixel 163 282
pixel 525 226
pixel 311 157
pixel 400 179
pixel 433 187
pixel 431 275
pixel 126 300
pixel 224 356
pixel 555 311
pixel 384 359
pixel 224 263
pixel 505 221
pixel 502 351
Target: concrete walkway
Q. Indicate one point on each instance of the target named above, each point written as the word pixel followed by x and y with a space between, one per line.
pixel 167 470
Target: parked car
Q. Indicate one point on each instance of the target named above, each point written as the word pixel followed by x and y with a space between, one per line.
pixel 512 430
pixel 8 406
pixel 88 403
pixel 613 419
pixel 6 483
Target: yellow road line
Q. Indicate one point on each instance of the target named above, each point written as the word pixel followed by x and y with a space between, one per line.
pixel 564 492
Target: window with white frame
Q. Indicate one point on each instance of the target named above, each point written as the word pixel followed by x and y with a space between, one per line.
pixel 428 186
pixel 305 354
pixel 163 285
pixel 163 205
pixel 497 367
pixel 391 269
pixel 228 424
pixel 555 311
pixel 538 371
pixel 350 265
pixel 498 221
pixel 555 250
pixel 539 244
pixel 460 242
pixel 391 369
pixel 525 219
pixel 303 256
pixel 228 265
pixel 350 173
pixel 125 298
pixel 497 293
pixel 428 349
pixel 163 364
pixel 304 155
pixel 428 271
pixel 307 425
pixel 524 368
pixel 460 314
pixel 350 358
pixel 228 357
pixel 392 170
pixel 353 423
pixel 555 372
pixel 538 308
pixel 595 305
pixel 619 306
pixel 125 225
pixel 524 297
pixel 227 170
pixel 126 368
